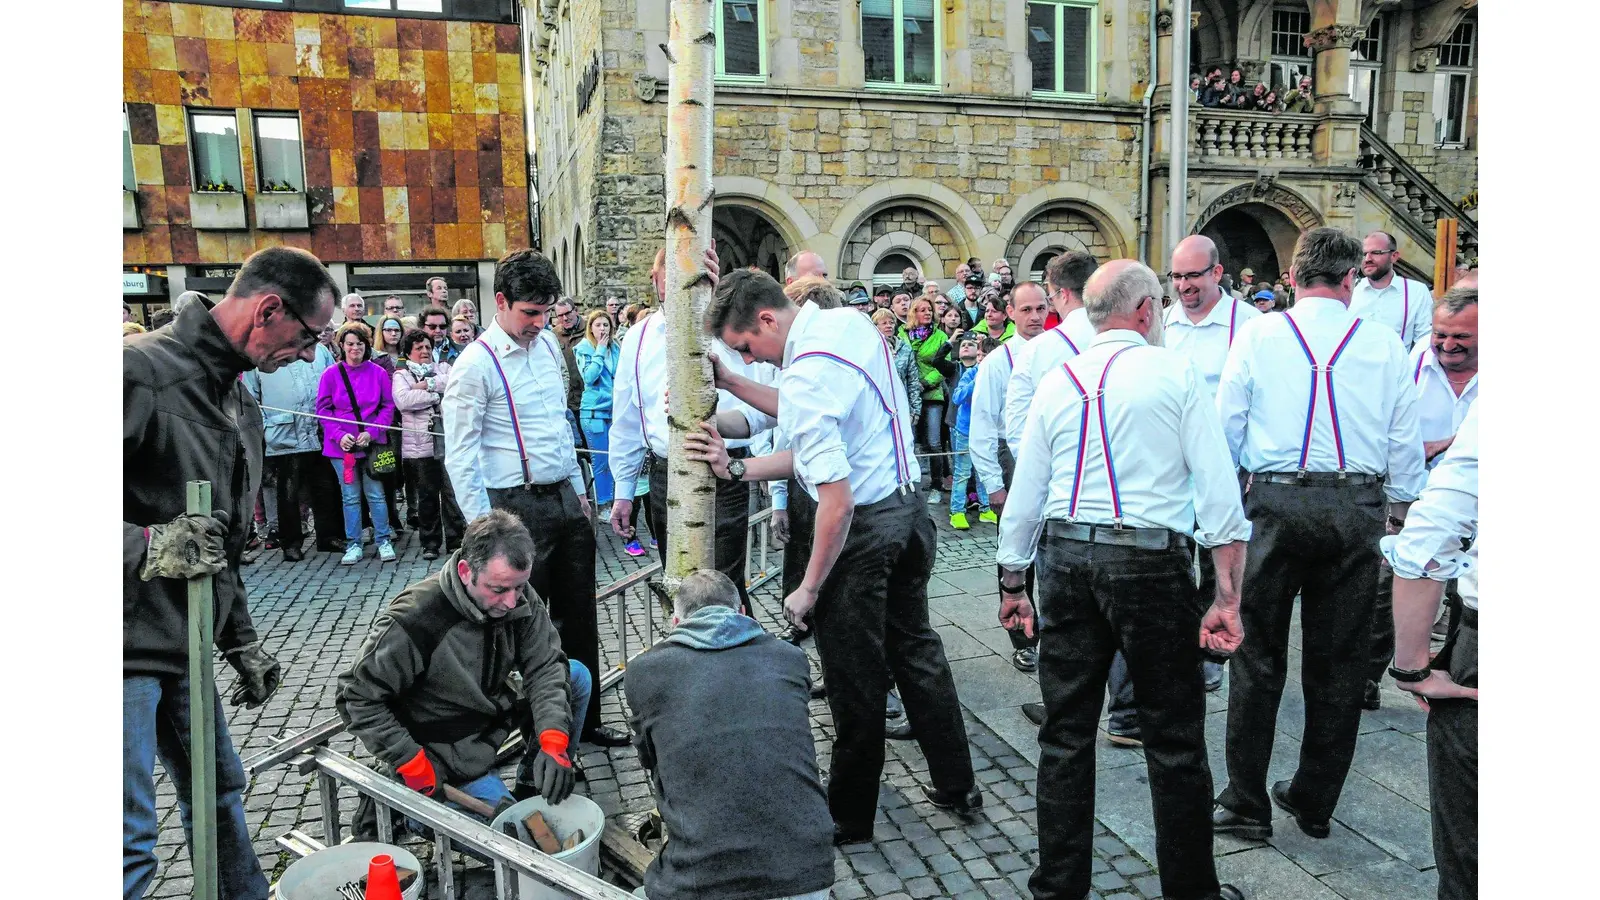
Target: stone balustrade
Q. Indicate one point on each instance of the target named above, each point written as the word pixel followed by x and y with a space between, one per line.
pixel 1412 192
pixel 1220 134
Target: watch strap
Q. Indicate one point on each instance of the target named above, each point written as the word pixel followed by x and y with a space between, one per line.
pixel 1409 676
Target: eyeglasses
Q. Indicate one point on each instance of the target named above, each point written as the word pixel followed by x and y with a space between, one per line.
pixel 1188 276
pixel 312 335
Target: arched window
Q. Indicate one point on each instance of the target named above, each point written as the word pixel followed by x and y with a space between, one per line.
pixel 889 268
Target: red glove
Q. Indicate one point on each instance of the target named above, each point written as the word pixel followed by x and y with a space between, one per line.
pixel 554 742
pixel 418 774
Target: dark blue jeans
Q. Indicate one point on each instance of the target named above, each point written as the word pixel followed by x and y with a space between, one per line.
pixel 155 722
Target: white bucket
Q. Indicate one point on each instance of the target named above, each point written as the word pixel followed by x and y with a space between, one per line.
pixel 318 876
pixel 573 813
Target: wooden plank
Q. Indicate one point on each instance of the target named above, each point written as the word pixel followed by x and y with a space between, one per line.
pixel 1445 232
pixel 620 851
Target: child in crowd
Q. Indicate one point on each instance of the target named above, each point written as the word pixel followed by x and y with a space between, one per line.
pixel 971 351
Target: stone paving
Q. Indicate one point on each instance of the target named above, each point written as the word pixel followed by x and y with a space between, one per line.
pixel 314 614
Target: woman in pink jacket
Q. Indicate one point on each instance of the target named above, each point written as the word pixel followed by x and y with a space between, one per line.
pixel 347 445
pixel 418 385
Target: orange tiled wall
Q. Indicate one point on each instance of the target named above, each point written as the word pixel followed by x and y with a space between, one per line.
pixel 413 129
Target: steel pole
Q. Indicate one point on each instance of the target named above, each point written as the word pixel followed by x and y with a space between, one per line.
pixel 202 716
pixel 1178 137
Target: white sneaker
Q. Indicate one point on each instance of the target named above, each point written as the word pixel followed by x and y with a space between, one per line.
pixel 386 551
pixel 352 554
pixel 933 498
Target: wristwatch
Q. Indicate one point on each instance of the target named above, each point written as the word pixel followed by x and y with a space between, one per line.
pixel 1409 676
pixel 735 470
pixel 1397 522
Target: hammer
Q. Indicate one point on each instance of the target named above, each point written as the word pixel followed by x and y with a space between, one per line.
pixel 468 802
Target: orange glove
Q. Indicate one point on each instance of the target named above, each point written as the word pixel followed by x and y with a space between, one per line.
pixel 554 742
pixel 418 774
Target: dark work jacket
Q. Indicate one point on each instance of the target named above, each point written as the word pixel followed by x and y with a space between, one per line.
pixel 727 734
pixel 186 416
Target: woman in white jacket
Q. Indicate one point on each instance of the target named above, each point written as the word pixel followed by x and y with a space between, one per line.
pixel 419 384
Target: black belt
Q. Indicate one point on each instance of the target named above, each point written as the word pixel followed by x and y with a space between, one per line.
pixel 1318 479
pixel 1141 538
pixel 543 490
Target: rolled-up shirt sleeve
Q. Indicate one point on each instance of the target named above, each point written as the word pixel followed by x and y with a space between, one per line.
pixel 810 410
pixel 1443 516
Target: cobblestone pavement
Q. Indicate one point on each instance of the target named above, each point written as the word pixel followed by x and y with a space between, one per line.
pixel 314 614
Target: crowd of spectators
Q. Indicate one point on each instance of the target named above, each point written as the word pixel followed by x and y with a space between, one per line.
pixel 1218 91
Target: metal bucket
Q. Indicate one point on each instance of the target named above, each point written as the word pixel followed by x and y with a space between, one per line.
pixel 573 813
pixel 318 876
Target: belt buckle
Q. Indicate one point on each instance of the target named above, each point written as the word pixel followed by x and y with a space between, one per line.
pixel 1148 540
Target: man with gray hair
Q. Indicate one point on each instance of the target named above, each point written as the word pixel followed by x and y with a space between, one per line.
pixel 754 821
pixel 1321 410
pixel 1121 472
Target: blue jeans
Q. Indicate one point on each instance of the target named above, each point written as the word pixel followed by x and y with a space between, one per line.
pixel 962 461
pixel 351 495
pixel 596 430
pixel 155 722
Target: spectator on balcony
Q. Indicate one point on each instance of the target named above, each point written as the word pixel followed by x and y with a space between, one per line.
pixel 1196 84
pixel 1300 99
pixel 1215 92
pixel 1236 85
pixel 1269 103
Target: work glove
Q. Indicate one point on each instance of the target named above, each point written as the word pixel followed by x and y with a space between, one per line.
pixel 259 675
pixel 417 773
pixel 547 773
pixel 187 547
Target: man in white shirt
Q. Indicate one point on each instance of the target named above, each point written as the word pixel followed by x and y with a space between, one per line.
pixel 1201 326
pixel 1065 276
pixel 639 434
pixel 1424 555
pixel 1319 406
pixel 1445 371
pixel 1386 297
pixel 508 446
pixel 847 418
pixel 1122 471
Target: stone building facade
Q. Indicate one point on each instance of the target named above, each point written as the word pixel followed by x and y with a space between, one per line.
pixel 963 156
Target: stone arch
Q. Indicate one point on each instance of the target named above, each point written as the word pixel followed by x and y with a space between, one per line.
pixel 1264 191
pixel 1109 216
pixel 907 243
pixel 785 213
pixel 1059 241
pixel 746 236
pixel 958 216
pixel 1253 40
pixel 1216 36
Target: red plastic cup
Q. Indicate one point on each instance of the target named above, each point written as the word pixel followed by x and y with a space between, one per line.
pixel 383 883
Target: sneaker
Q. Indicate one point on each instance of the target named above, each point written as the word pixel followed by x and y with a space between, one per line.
pixel 989 516
pixel 654 545
pixel 352 554
pixel 933 498
pixel 1026 659
pixel 386 551
pixel 959 521
pixel 633 549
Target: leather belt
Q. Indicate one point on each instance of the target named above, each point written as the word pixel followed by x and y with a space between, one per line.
pixel 552 488
pixel 1141 538
pixel 1319 479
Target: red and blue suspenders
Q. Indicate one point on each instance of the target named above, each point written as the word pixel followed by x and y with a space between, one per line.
pixel 516 425
pixel 1099 399
pixel 890 406
pixel 1333 409
pixel 1062 331
pixel 1416 376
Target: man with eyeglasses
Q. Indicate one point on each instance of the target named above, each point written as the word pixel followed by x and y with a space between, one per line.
pixel 435 323
pixel 188 417
pixel 1384 296
pixel 394 306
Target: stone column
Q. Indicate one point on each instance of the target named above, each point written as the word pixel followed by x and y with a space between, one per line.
pixel 1335 26
pixel 1163 56
pixel 852 67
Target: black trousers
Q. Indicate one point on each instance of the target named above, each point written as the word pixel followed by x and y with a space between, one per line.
pixel 306 477
pixel 1095 599
pixel 437 513
pixel 802 525
pixel 1453 770
pixel 1321 542
pixel 1019 639
pixel 563 571
pixel 733 524
pixel 872 622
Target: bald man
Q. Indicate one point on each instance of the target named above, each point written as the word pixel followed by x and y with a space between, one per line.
pixel 802 264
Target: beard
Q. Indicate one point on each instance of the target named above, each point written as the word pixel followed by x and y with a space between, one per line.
pixel 1381 272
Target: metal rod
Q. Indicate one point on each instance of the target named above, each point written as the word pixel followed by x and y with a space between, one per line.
pixel 444 865
pixel 328 789
pixel 1178 139
pixel 294 745
pixel 385 824
pixel 202 713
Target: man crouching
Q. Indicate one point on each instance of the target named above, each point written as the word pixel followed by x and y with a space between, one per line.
pixel 721 717
pixel 429 693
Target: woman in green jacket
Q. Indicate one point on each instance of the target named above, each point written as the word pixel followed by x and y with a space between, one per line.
pixel 926 339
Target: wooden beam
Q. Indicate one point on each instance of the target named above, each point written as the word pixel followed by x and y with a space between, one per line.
pixel 1444 255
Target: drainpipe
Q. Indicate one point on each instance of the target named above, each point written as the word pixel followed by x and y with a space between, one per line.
pixel 1178 135
pixel 1144 143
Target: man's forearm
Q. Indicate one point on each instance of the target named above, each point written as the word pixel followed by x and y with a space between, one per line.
pixel 1431 449
pixel 761 396
pixel 1229 561
pixel 772 467
pixel 836 507
pixel 732 424
pixel 1416 600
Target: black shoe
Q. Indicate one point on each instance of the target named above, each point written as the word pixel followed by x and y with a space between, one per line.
pixel 1229 892
pixel 606 736
pixel 335 546
pixel 842 837
pixel 1280 796
pixel 413 522
pixel 1125 737
pixel 430 553
pixel 899 731
pixel 795 636
pixel 1034 712
pixel 293 554
pixel 961 806
pixel 1226 821
pixel 1026 659
pixel 273 541
pixel 1372 701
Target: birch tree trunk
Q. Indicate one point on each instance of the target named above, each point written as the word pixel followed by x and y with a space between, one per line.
pixel 691 497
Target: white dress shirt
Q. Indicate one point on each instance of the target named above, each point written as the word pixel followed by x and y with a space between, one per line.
pixel 1439 411
pixel 1206 342
pixel 1045 352
pixel 639 397
pixel 480 441
pixel 1170 458
pixel 1446 513
pixel 1265 393
pixel 843 406
pixel 988 422
pixel 1404 307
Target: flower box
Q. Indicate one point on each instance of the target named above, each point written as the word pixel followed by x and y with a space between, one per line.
pixel 282 211
pixel 217 210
